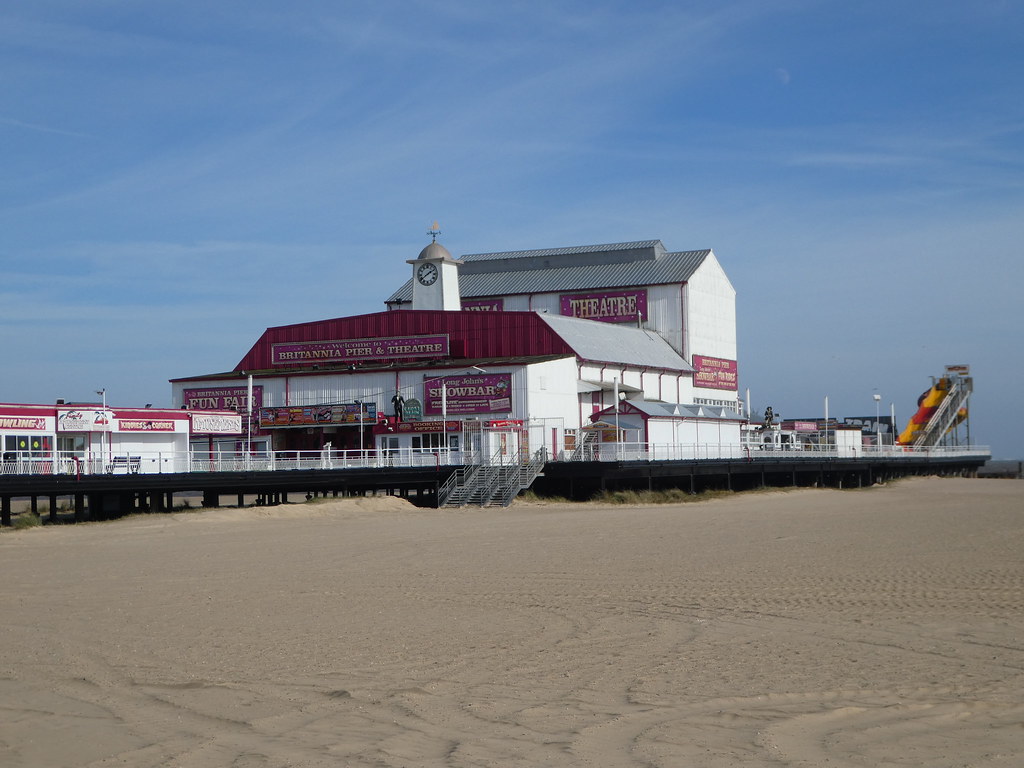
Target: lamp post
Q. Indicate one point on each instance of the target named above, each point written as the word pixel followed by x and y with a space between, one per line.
pixel 878 427
pixel 359 405
pixel 103 393
pixel 618 435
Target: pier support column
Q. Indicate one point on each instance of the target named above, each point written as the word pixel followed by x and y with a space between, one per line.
pixel 53 508
pixel 5 511
pixel 211 499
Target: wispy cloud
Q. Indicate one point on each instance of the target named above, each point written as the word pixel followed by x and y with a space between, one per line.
pixel 41 128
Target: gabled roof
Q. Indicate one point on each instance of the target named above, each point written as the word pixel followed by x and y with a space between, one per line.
pixel 514 337
pixel 672 411
pixel 594 341
pixel 578 268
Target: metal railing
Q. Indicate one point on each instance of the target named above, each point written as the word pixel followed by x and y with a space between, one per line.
pixel 205 461
pixel 163 462
pixel 758 451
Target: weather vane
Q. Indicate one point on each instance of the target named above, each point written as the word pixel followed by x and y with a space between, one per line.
pixel 434 232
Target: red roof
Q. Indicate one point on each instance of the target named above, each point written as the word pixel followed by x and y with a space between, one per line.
pixel 472 335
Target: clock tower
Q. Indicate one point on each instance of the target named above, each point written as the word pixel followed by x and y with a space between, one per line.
pixel 435 277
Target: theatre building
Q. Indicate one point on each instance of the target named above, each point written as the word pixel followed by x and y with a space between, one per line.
pixel 490 356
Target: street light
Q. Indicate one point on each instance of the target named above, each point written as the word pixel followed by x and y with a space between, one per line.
pixel 103 394
pixel 359 405
pixel 878 429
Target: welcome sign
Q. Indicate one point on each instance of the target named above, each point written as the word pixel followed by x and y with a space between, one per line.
pixel 354 350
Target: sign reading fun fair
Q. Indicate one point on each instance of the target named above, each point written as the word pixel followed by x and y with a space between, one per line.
pixel 618 307
pixel 222 398
pixel 354 350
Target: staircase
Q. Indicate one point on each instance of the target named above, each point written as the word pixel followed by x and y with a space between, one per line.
pixel 490 485
pixel 585 446
pixel 945 415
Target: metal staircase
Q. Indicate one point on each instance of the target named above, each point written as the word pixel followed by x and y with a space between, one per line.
pixel 490 485
pixel 946 414
pixel 585 446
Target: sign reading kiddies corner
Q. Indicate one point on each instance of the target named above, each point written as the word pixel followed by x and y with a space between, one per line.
pixel 353 350
pixel 618 307
pixel 714 373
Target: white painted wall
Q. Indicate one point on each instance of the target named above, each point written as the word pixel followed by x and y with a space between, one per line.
pixel 711 312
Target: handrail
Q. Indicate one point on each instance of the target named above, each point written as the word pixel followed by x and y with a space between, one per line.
pixel 142 462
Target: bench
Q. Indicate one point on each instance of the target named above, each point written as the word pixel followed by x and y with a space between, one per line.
pixel 127 463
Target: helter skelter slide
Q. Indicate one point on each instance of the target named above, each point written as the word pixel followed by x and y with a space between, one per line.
pixel 939 408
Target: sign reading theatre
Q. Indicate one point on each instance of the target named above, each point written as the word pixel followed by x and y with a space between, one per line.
pixel 618 307
pixel 353 350
pixel 714 373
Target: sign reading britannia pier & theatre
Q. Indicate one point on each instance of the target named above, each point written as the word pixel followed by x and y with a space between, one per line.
pixel 354 350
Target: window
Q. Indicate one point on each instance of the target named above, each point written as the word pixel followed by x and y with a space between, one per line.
pixel 25 445
pixel 434 441
pixel 73 444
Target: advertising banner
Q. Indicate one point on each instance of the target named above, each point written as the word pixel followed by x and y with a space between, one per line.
pixel 468 395
pixel 354 350
pixel 617 307
pixel 322 415
pixel 217 423
pixel 483 305
pixel 221 398
pixel 413 410
pixel 714 373
pixel 84 420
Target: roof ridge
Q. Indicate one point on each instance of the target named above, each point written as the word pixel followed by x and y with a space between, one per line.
pixel 596 248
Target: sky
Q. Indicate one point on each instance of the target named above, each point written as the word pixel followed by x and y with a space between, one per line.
pixel 179 176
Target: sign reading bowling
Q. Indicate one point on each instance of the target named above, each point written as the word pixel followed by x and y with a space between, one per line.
pixel 617 307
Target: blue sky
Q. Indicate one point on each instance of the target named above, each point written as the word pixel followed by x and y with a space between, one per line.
pixel 179 176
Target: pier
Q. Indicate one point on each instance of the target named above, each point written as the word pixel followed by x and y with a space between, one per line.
pixel 430 480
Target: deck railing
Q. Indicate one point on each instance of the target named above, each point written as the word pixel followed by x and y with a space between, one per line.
pixel 204 461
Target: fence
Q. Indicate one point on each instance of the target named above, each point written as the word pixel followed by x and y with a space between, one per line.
pixel 204 461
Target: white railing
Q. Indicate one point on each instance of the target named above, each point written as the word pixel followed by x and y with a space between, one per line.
pixel 165 462
pixel 204 461
pixel 763 452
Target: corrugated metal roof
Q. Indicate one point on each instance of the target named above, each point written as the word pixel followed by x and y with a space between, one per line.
pixel 618 344
pixel 543 277
pixel 689 411
pixel 572 250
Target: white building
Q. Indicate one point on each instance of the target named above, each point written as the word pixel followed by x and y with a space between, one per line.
pixel 528 346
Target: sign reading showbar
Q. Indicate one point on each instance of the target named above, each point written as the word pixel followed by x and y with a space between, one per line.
pixel 353 350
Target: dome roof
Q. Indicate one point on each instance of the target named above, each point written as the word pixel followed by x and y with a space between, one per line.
pixel 435 251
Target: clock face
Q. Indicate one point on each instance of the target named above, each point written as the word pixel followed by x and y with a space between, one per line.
pixel 427 274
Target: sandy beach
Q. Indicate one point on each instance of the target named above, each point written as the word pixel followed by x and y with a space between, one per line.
pixel 876 627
